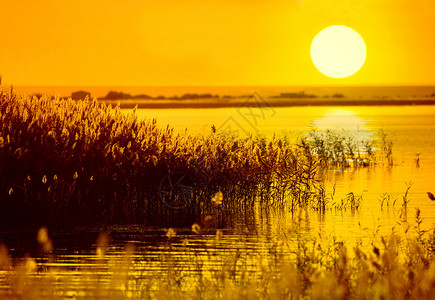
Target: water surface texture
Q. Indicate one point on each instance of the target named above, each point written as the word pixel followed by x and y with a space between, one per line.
pixel 251 234
pixel 411 128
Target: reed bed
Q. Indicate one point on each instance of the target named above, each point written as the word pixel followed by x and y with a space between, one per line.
pixel 338 147
pixel 67 162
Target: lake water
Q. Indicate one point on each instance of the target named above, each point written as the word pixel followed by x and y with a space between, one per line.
pixel 412 129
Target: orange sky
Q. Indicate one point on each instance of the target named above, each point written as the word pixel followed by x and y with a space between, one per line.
pixel 205 42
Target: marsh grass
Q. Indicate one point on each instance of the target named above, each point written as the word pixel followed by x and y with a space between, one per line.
pixel 65 162
pixel 338 147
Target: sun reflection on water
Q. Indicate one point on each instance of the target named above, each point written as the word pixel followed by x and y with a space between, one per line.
pixel 346 120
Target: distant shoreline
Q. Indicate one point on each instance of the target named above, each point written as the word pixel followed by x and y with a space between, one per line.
pixel 268 102
pixel 350 92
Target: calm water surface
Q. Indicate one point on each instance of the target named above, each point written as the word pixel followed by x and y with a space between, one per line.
pixel 253 236
pixel 412 129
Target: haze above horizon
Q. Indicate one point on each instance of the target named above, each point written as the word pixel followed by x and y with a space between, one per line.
pixel 209 43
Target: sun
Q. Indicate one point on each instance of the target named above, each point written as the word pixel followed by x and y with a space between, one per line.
pixel 338 51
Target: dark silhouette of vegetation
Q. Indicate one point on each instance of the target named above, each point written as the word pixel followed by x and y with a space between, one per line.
pixel 340 148
pixel 337 95
pixel 117 96
pixel 295 95
pixel 112 95
pixel 79 95
pixel 79 162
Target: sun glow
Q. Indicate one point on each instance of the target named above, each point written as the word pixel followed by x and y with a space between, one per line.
pixel 342 119
pixel 338 51
pixel 346 121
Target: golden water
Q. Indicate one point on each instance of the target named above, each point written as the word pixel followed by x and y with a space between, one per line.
pixel 76 267
pixel 412 129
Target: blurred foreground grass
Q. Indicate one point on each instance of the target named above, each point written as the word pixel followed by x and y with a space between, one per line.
pixel 294 266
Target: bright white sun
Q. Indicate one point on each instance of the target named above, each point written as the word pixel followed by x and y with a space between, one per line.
pixel 338 51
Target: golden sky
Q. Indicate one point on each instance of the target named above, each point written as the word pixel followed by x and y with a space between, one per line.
pixel 205 42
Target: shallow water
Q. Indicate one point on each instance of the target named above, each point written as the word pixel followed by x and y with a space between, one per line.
pixel 253 234
pixel 412 129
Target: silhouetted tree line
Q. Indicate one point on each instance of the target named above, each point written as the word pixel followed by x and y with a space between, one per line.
pixel 302 94
pixel 295 95
pixel 112 95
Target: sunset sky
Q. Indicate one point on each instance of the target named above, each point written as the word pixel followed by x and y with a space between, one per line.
pixel 205 42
